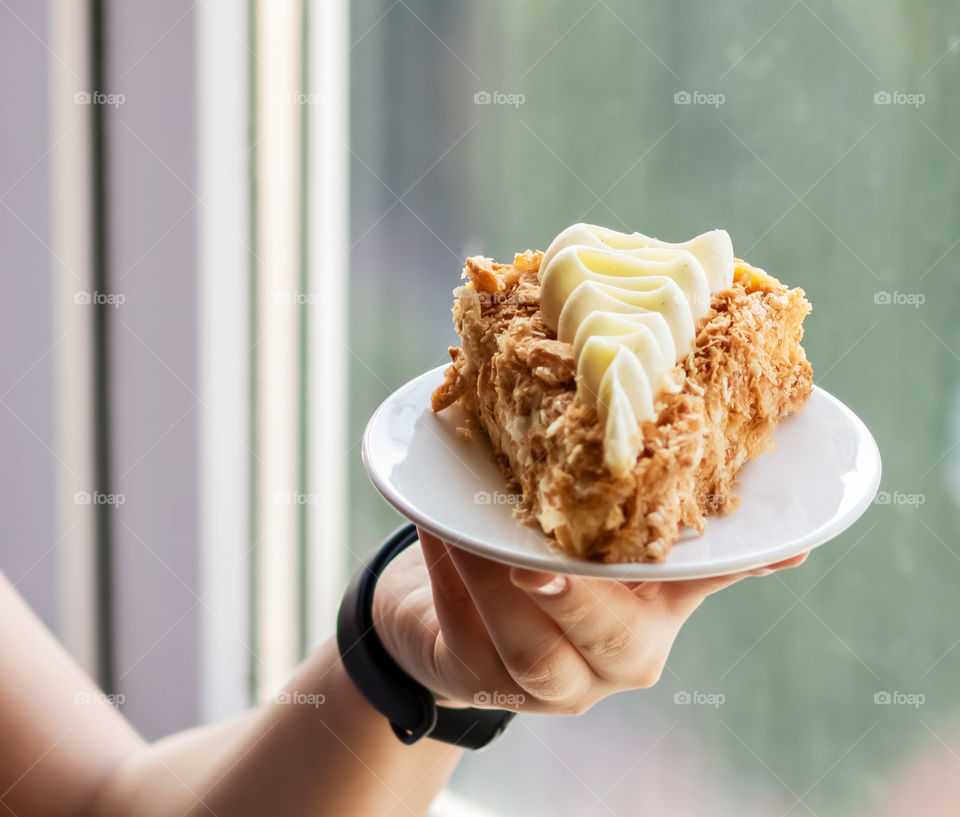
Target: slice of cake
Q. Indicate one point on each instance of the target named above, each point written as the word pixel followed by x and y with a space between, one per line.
pixel 624 381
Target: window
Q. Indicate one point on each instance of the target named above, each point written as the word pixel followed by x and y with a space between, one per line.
pixel 820 135
pixel 217 271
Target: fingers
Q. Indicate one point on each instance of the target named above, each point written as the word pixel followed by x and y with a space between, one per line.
pixel 613 630
pixel 465 653
pixel 563 640
pixel 450 597
pixel 795 561
pixel 688 595
pixel 530 644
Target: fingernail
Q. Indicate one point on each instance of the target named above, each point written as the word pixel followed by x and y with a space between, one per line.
pixel 554 587
pixel 763 571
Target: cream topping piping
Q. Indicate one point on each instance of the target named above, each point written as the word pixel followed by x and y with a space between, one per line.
pixel 629 304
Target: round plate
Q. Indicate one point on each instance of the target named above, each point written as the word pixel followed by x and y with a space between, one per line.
pixel 822 477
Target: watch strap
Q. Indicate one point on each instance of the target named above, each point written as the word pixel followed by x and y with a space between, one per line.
pixel 409 706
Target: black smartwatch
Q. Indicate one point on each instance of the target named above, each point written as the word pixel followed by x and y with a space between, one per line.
pixel 407 704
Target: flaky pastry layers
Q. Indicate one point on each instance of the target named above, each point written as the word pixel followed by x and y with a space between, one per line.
pixel 747 371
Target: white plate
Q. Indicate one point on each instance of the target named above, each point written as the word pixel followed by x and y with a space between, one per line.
pixel 822 477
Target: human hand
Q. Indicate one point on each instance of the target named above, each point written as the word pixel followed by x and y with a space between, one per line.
pixel 481 633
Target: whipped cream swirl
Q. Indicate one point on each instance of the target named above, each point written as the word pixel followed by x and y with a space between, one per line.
pixel 629 304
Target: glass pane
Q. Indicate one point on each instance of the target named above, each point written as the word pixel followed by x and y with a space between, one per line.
pixel 824 137
pixel 28 428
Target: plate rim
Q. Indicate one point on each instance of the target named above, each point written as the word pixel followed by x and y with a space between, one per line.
pixel 557 562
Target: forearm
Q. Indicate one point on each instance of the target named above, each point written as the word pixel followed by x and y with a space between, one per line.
pixel 325 751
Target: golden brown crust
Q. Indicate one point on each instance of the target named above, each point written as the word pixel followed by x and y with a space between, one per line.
pixel 454 385
pixel 747 372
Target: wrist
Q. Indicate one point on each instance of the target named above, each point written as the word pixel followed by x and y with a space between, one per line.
pixel 402 607
pixel 409 705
